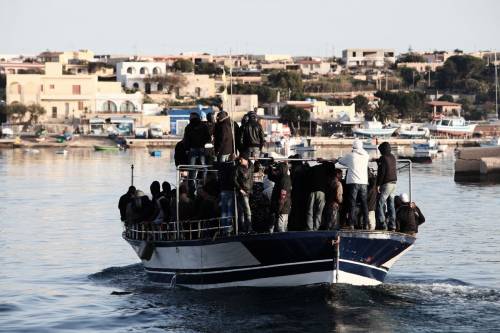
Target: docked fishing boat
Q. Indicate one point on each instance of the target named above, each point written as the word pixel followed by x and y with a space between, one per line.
pixel 374 129
pixel 204 254
pixel 413 132
pixel 456 126
pixel 107 148
pixel 493 142
pixel 427 149
pixel 303 145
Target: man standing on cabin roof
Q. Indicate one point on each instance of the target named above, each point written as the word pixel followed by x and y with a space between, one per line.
pixel 196 136
pixel 318 176
pixel 386 187
pixel 357 181
pixel 224 140
pixel 252 136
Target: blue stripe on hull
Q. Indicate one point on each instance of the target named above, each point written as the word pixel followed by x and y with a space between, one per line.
pixel 259 272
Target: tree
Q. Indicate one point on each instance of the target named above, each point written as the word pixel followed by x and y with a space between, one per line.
pixel 265 94
pixel 183 65
pixel 411 57
pixel 458 68
pixel 384 111
pixel 290 81
pixel 409 105
pixel 361 103
pixel 16 112
pixel 446 98
pixel 170 81
pixel 410 76
pixel 209 68
pixel 35 112
pixel 292 115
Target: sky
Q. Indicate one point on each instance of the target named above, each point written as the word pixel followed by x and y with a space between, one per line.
pixel 310 27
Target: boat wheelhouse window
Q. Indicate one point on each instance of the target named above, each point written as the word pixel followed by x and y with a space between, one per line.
pixel 445 122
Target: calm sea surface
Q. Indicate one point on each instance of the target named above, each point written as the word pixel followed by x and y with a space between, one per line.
pixel 64 266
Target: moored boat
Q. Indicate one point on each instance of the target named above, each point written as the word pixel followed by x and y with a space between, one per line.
pixel 456 126
pixel 106 148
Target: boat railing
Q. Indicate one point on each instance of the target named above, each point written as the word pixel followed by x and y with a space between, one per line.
pixel 189 229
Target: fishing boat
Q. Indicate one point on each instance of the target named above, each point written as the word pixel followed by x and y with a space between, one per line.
pixel 205 254
pixel 413 132
pixel 303 145
pixel 374 129
pixel 107 148
pixel 427 149
pixel 456 126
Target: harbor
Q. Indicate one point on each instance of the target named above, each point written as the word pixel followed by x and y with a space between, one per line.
pixel 116 293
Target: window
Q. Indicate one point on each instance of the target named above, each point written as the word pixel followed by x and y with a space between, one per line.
pixel 51 86
pixel 80 105
pixel 109 106
pixel 143 70
pixel 354 54
pixel 156 71
pixel 54 112
pixel 159 87
pixel 127 106
pixel 66 110
pixel 19 89
pixel 41 87
pixel 135 85
pixel 237 102
pixel 76 89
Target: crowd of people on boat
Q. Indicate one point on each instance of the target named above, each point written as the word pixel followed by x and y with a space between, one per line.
pixel 225 174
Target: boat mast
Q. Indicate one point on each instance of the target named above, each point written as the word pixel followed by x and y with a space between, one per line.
pixel 496 86
pixel 232 133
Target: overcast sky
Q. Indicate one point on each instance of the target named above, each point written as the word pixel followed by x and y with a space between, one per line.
pixel 308 27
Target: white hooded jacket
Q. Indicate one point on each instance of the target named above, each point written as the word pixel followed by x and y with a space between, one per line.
pixel 357 164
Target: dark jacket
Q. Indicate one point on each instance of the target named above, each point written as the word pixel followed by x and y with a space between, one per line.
pixel 196 134
pixel 387 171
pixel 252 135
pixel 244 178
pixel 281 197
pixel 319 174
pixel 122 205
pixel 409 218
pixel 223 138
pixel 226 174
pixel 180 156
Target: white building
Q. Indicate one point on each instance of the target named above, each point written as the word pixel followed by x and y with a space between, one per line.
pixel 239 105
pixel 132 74
pixel 368 57
pixel 309 67
pixel 322 111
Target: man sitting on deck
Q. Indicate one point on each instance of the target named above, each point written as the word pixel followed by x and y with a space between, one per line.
pixel 409 216
pixel 124 201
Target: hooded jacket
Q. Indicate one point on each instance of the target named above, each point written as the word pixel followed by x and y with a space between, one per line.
pixel 357 166
pixel 387 171
pixel 282 190
pixel 252 134
pixel 223 138
pixel 196 134
pixel 409 218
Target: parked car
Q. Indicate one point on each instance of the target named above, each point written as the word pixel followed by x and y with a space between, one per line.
pixel 141 133
pixel 155 132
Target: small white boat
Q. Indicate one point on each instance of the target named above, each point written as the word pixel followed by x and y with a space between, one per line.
pixel 374 129
pixel 451 126
pixel 31 151
pixel 61 152
pixel 414 132
pixel 494 142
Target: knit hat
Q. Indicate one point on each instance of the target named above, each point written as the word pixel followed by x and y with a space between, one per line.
pixel 404 197
pixel 357 144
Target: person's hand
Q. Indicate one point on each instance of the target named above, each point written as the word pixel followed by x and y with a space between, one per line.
pixel 413 205
pixel 243 192
pixel 320 159
pixel 378 189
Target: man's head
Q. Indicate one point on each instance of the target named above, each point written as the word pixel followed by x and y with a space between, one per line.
pixel 155 188
pixel 131 190
pixel 194 115
pixel 165 186
pixel 221 115
pixel 384 148
pixel 357 144
pixel 404 198
pixel 244 157
pixel 338 174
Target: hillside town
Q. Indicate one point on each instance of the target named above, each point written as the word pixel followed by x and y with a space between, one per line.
pixel 152 96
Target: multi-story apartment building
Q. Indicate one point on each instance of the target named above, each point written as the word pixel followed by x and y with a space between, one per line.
pixel 66 95
pixel 368 57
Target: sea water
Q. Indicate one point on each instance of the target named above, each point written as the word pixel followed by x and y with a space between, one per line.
pixel 65 268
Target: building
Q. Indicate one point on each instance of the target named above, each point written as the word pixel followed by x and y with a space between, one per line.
pixel 67 57
pixel 179 118
pixel 277 58
pixel 239 105
pixel 324 112
pixel 20 67
pixel 445 108
pixel 310 67
pixel 70 96
pixel 368 57
pixel 421 66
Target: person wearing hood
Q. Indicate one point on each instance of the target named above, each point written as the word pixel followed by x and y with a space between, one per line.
pixel 252 135
pixel 280 197
pixel 386 187
pixel 196 136
pixel 124 201
pixel 357 181
pixel 223 136
pixel 409 216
